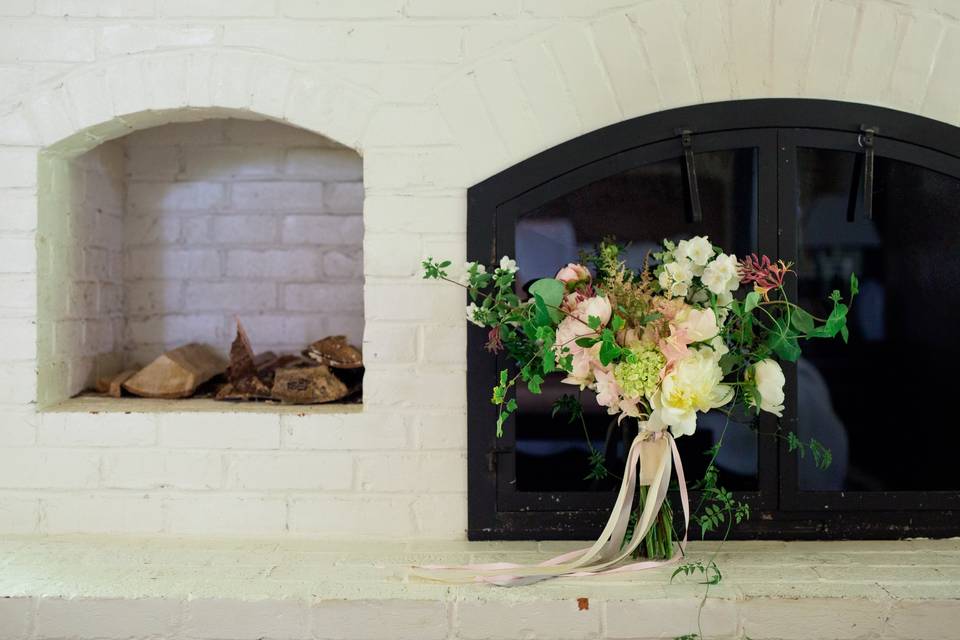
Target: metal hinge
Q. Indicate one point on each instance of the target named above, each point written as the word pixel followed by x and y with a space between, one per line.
pixel 694 211
pixel 863 167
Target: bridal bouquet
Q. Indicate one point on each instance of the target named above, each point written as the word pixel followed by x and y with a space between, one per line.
pixel 694 330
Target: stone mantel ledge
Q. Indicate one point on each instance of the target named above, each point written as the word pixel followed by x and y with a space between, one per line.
pixel 120 587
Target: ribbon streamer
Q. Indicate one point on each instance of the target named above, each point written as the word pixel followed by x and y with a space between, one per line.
pixel 606 554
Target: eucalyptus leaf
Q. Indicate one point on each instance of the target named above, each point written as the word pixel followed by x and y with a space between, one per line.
pixel 551 292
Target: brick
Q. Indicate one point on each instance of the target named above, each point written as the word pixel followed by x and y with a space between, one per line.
pixel 101 513
pixel 393 255
pixel 179 196
pixel 191 514
pixel 347 324
pixel 426 168
pixel 833 36
pixel 18 382
pixel 462 9
pixel 570 8
pixel 346 432
pixel 159 469
pixel 507 103
pixel 250 620
pixel 441 516
pixel 18 295
pixel 146 230
pixel 412 214
pixel 927 619
pixel 941 98
pixel 232 162
pixel 793 22
pixel 19 514
pixel 283 328
pixel 17 8
pixel 406 125
pixel 290 470
pixel 220 431
pixel 238 296
pixel 545 619
pixel 444 344
pixel 19 427
pixel 440 431
pixel 15 617
pixel 874 53
pixel 333 165
pixel 216 8
pixel 342 265
pixel 285 264
pixel 399 302
pixel 19 339
pixel 237 229
pixel 659 28
pixel 171 330
pixel 48 468
pixel 340 8
pixel 545 90
pixel 321 297
pixel 18 166
pixel 332 515
pixel 97 429
pixel 412 472
pixel 670 617
pixel 914 61
pixel 380 620
pixel 415 389
pixel 15 128
pixel 490 36
pixel 750 46
pixel 462 106
pixel 127 39
pixel 153 296
pixel 343 198
pixel 838 619
pixel 389 343
pixel 96 9
pixel 36 43
pixel 322 230
pixel 149 262
pixel 106 618
pixel 584 75
pixel 277 196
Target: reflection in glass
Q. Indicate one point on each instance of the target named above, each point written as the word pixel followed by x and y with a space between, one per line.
pixel 640 206
pixel 902 326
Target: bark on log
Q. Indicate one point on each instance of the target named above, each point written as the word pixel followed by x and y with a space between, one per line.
pixel 177 373
pixel 113 385
pixel 308 385
pixel 335 351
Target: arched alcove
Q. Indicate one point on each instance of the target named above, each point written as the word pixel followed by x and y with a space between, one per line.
pixel 166 235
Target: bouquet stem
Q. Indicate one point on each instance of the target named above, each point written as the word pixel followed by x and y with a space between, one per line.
pixel 658 543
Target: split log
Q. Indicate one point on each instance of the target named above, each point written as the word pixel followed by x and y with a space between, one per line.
pixel 336 352
pixel 177 373
pixel 308 385
pixel 242 363
pixel 113 385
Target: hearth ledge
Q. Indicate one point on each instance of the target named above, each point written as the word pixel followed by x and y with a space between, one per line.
pixel 112 587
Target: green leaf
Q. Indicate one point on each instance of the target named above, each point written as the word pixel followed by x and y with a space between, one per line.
pixel 617 323
pixel 801 320
pixel 751 302
pixel 854 286
pixel 785 345
pixel 593 322
pixel 551 292
pixel 586 343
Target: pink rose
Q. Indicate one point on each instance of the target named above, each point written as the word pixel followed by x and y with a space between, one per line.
pixel 573 273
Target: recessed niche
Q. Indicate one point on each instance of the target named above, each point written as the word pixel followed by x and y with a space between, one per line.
pixel 166 236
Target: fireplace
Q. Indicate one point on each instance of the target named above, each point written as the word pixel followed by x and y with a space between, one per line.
pixel 831 187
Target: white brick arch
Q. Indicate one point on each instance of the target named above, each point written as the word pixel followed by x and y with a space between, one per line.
pixel 660 54
pixel 112 98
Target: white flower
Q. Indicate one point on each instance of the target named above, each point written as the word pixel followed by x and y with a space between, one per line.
pixel 723 306
pixel 472 310
pixel 769 379
pixel 693 385
pixel 699 325
pixel 697 250
pixel 676 277
pixel 469 269
pixel 508 265
pixel 720 276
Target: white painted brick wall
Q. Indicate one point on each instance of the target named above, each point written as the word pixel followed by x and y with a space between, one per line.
pixel 223 216
pixel 435 96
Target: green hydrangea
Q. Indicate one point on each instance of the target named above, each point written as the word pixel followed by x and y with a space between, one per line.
pixel 639 373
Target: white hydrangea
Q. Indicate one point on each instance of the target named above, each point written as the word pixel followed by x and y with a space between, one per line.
pixel 472 310
pixel 720 276
pixel 508 265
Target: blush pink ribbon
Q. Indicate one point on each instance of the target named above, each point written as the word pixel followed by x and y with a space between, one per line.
pixel 607 555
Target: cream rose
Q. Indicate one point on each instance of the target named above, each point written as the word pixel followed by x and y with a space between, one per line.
pixel 769 380
pixel 695 384
pixel 573 273
pixel 720 276
pixel 699 325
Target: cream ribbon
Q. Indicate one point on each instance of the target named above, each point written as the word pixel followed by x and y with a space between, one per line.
pixel 604 556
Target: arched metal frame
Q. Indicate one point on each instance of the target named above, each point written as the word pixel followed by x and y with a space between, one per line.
pixel 775 127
